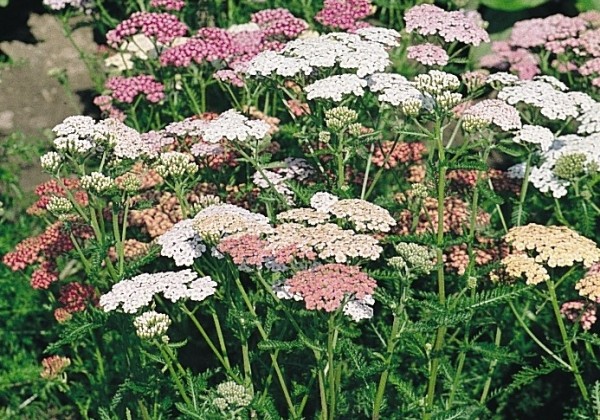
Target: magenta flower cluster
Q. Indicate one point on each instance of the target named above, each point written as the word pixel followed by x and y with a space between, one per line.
pixel 163 27
pixel 454 26
pixel 346 15
pixel 275 26
pixel 175 5
pixel 126 89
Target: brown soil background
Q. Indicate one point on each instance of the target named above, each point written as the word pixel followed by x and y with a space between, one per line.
pixel 31 101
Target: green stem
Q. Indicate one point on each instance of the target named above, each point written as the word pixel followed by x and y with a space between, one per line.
pixel 265 337
pixel 566 342
pixel 523 193
pixel 367 170
pixel 331 381
pixel 173 374
pixel 391 344
pixel 534 337
pixel 493 363
pixel 441 331
pixel 209 342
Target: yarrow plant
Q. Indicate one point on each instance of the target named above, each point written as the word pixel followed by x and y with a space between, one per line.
pixel 363 216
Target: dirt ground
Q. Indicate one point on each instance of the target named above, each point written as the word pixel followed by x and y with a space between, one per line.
pixel 31 101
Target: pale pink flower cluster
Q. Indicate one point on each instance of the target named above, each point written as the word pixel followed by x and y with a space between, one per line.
pixel 428 54
pixel 163 27
pixel 345 15
pixel 126 89
pixel 493 111
pixel 519 60
pixel 575 40
pixel 327 286
pixel 427 19
pixel 168 4
pixel 577 311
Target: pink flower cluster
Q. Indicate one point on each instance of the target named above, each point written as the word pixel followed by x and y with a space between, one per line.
pixel 168 4
pixel 105 104
pixel 346 15
pixel 49 189
pixel 126 89
pixel 53 366
pixel 252 251
pixel 43 249
pixel 163 27
pixel 275 27
pixel 75 297
pixel 326 286
pixel 518 60
pixel 574 41
pixel 427 19
pixel 578 311
pixel 428 54
pixel 390 154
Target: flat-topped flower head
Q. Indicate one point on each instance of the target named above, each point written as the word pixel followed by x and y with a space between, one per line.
pixel 346 15
pixel 162 27
pixel 181 243
pixel 491 111
pixel 428 54
pixel 363 215
pixel 553 246
pixel 97 182
pixel 589 287
pixel 133 294
pixel 335 88
pixel 305 215
pixel 326 287
pixel 396 90
pixel 569 154
pixel 535 134
pixel 219 220
pixel 429 20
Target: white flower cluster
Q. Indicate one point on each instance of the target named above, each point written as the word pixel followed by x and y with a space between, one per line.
pixel 61 4
pixel 335 87
pixel 535 134
pixel 269 179
pixel 364 51
pixel 364 215
pixel 75 135
pixel 181 243
pixel 323 201
pixel 552 102
pixel 133 294
pixel 234 126
pixel 151 325
pixel 51 161
pixel 589 119
pixel 387 37
pixel 269 63
pixel 97 182
pixel 396 90
pixel 359 309
pixel 501 79
pixel 175 164
pixel 543 177
pixel 296 168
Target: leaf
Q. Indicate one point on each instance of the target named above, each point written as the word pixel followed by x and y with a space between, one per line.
pixel 512 5
pixel 4 3
pixel 585 5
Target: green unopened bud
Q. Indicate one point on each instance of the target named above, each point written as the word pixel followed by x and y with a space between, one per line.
pixel 570 167
pixel 340 117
